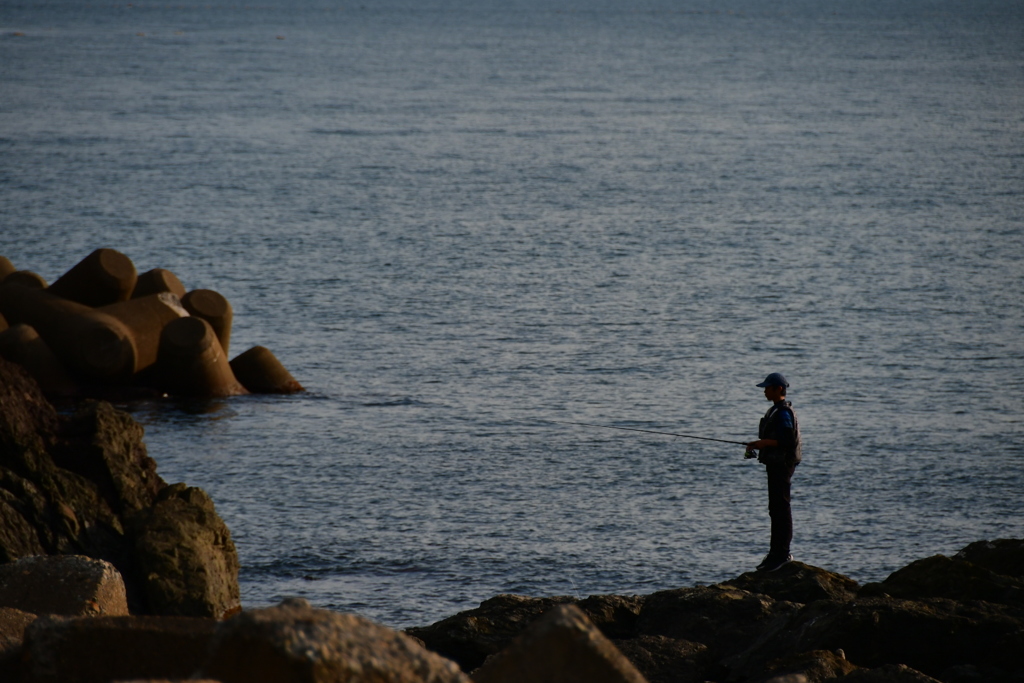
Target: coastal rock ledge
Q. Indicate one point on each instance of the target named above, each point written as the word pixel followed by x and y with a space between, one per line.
pixel 109 574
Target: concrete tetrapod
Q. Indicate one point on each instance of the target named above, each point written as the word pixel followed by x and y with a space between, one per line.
pixel 157 281
pixel 191 361
pixel 214 309
pixel 261 372
pixel 105 276
pixel 6 267
pixel 21 344
pixel 89 342
pixel 26 278
pixel 146 318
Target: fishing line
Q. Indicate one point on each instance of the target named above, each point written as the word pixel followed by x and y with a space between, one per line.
pixel 647 431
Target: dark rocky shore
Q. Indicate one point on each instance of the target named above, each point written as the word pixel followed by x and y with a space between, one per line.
pixel 107 573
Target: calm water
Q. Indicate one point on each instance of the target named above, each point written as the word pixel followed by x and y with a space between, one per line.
pixel 456 221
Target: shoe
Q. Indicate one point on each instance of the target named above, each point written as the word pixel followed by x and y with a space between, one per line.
pixel 772 562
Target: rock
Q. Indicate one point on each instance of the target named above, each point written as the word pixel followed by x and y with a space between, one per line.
pixel 471 636
pixel 667 660
pixel 69 585
pixel 1003 556
pixel 104 649
pixel 615 615
pixel 105 445
pixel 889 673
pixel 187 559
pixel 294 643
pixel 18 538
pixel 105 276
pixel 957 579
pixel 563 646
pixel 725 619
pixel 930 635
pixel 797 582
pixel 61 512
pixel 85 485
pixel 13 623
pixel 815 667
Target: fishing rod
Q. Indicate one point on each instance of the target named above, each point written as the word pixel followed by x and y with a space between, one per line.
pixel 649 431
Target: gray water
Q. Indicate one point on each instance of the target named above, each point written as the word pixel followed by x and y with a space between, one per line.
pixel 455 222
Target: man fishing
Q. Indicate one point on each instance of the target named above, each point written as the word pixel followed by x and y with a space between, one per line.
pixel 778 448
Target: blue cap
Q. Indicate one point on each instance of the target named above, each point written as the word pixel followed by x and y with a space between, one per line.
pixel 774 380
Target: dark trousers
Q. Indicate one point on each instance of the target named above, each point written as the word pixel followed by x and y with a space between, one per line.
pixel 780 477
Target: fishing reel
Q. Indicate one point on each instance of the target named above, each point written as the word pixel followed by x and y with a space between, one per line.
pixel 749 454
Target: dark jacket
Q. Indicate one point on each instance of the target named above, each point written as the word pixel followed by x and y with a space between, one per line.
pixel 772 427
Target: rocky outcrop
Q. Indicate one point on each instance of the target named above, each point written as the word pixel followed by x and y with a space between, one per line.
pixel 187 561
pixel 101 330
pixel 85 485
pixel 948 619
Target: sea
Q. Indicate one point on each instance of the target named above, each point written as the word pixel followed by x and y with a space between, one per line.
pixel 462 224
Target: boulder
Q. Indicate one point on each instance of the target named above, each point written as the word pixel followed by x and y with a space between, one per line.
pixel 106 446
pixel 797 582
pixel 667 660
pixel 725 619
pixel 930 635
pixel 69 585
pixel 104 649
pixel 187 559
pixel 615 615
pixel 13 623
pixel 954 578
pixel 889 673
pixel 815 667
pixel 1003 556
pixel 46 508
pixel 470 637
pixel 563 646
pixel 294 643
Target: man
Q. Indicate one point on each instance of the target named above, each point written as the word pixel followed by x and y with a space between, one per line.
pixel 778 448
